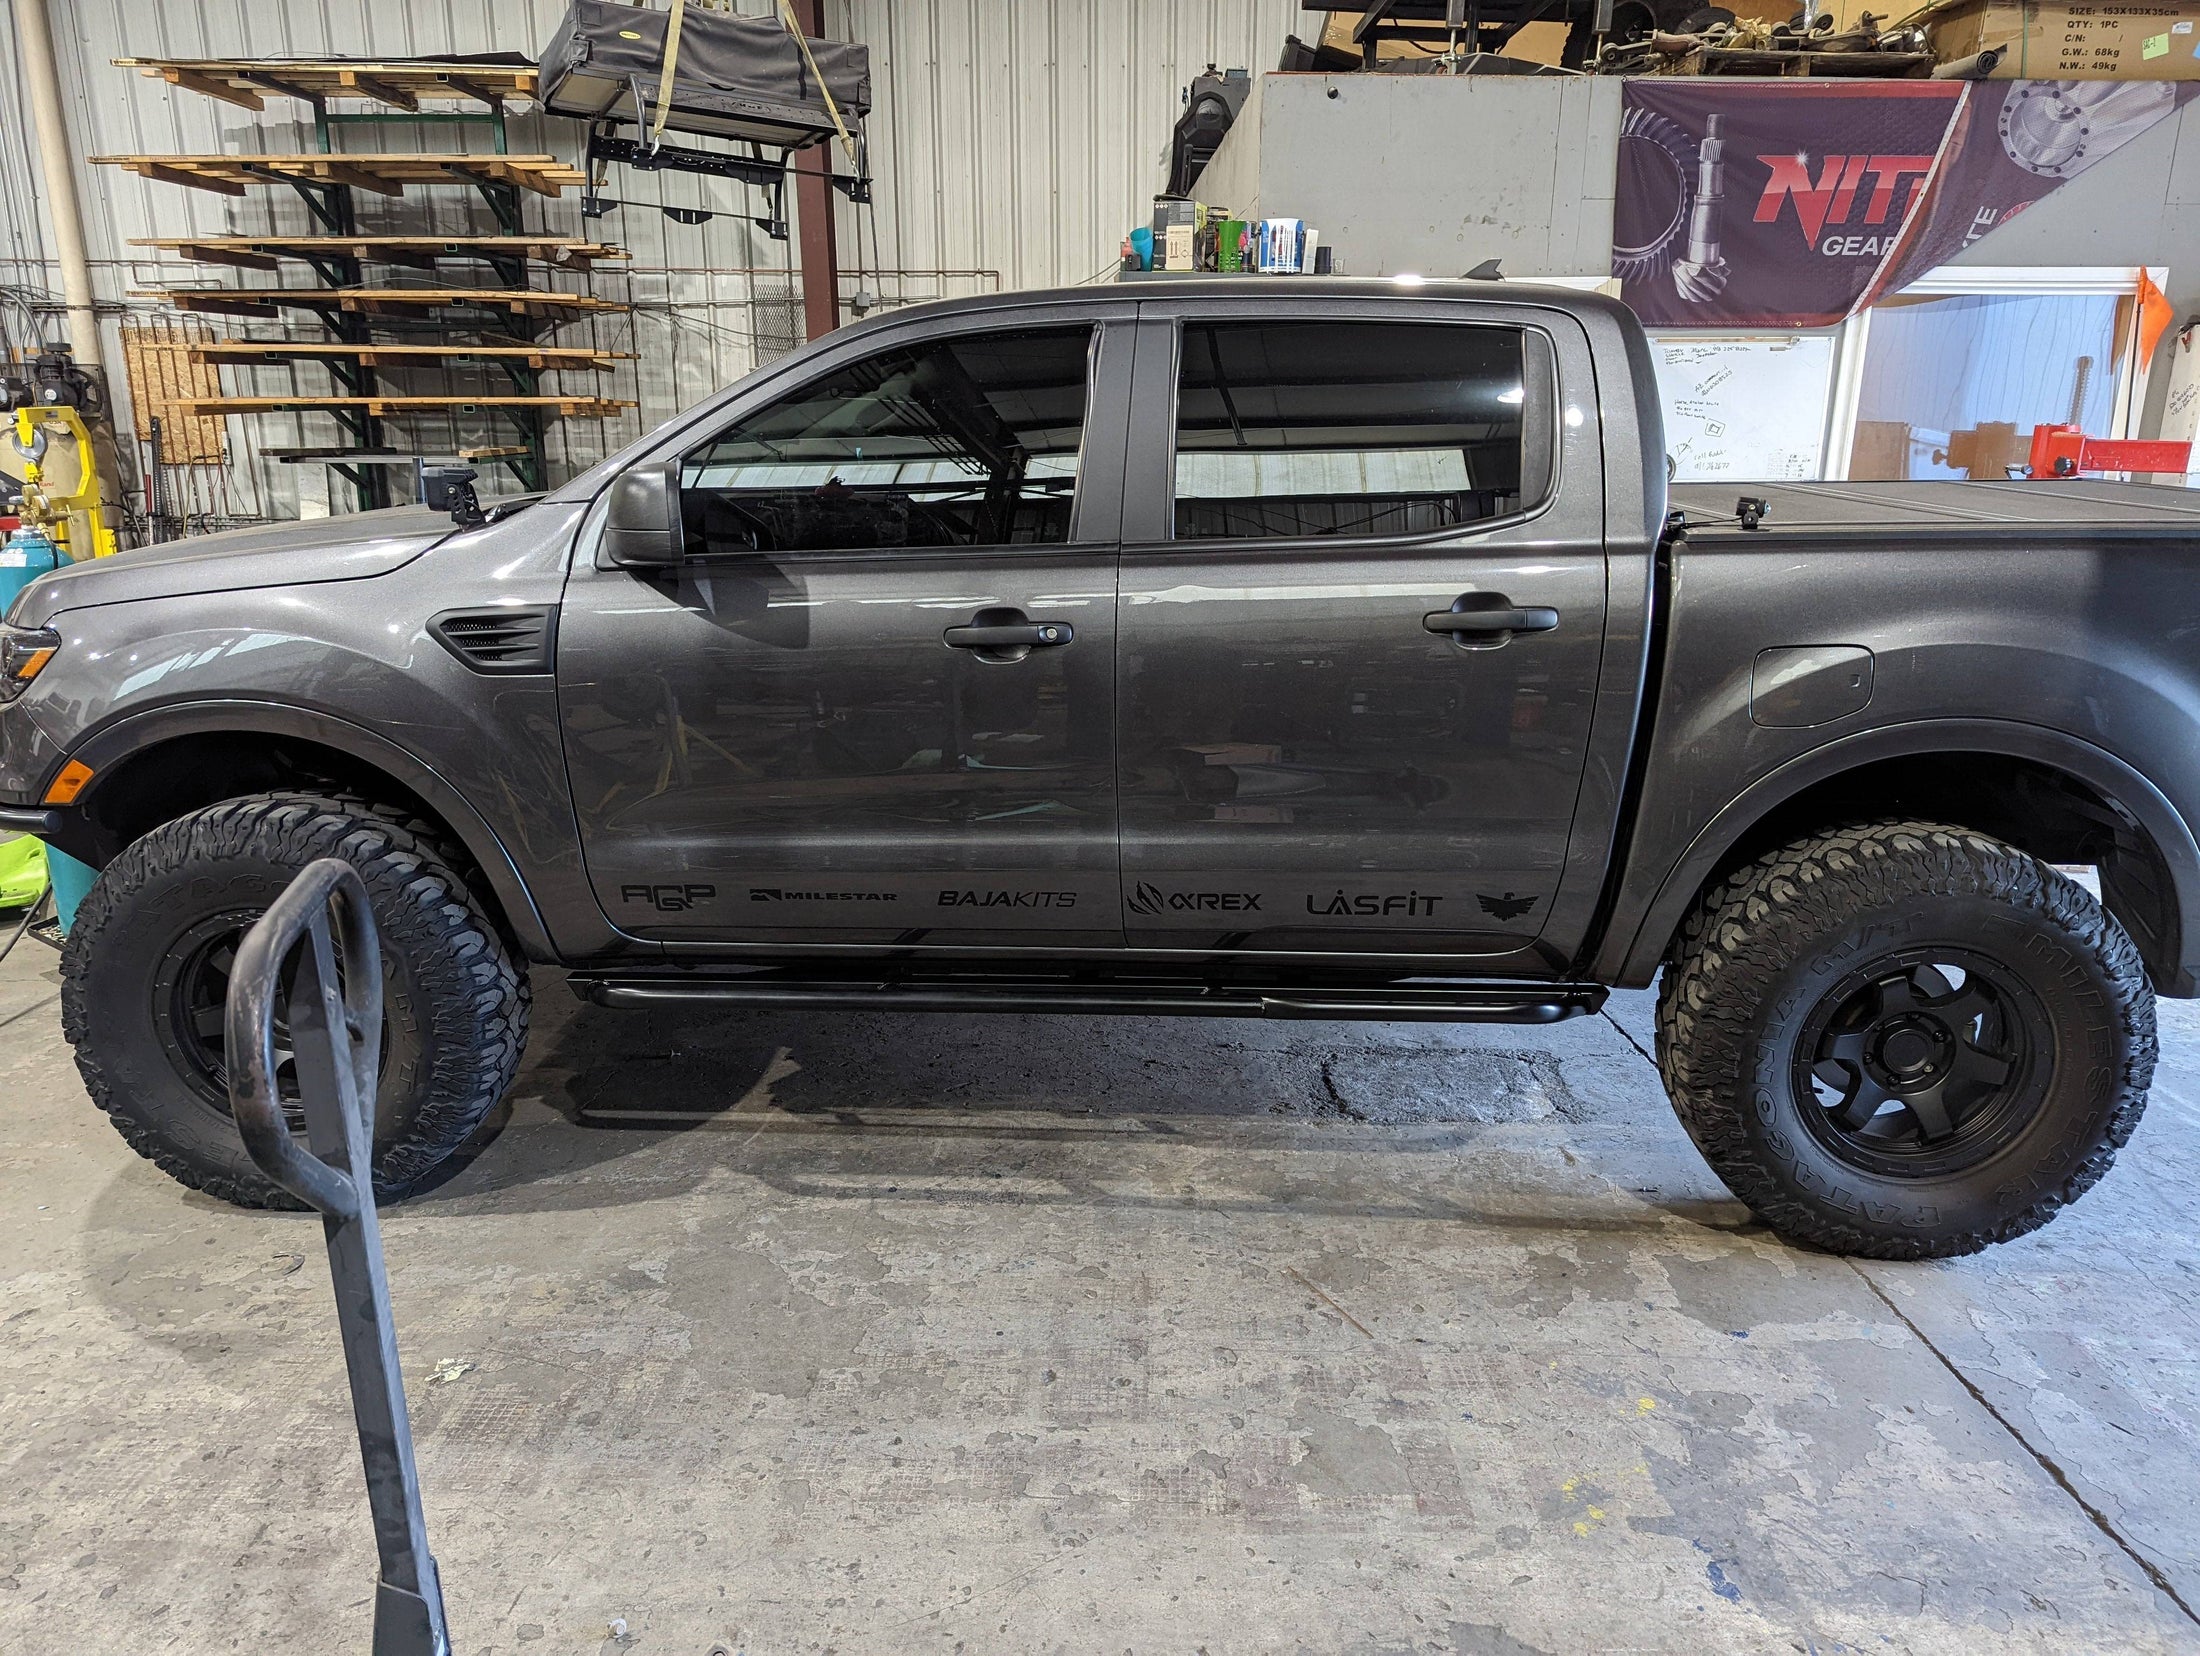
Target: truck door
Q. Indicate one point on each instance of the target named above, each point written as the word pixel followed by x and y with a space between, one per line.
pixel 1362 606
pixel 876 703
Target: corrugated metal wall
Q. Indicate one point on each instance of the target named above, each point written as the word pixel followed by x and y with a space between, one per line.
pixel 1013 143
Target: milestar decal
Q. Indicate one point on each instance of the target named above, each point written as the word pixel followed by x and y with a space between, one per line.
pixel 1373 902
pixel 966 898
pixel 783 894
pixel 1146 899
pixel 668 899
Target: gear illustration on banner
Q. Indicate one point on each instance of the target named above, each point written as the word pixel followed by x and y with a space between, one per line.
pixel 2057 129
pixel 1700 273
pixel 1667 156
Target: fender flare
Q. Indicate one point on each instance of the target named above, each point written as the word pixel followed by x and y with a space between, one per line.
pixel 135 732
pixel 1631 953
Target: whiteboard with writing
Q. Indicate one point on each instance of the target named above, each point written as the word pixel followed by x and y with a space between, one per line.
pixel 1745 408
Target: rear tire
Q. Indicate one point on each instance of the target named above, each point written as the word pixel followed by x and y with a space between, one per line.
pixel 144 968
pixel 1905 1040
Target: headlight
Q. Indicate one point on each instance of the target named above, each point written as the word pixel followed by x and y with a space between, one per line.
pixel 23 656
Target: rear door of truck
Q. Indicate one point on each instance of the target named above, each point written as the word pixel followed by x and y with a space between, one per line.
pixel 1361 614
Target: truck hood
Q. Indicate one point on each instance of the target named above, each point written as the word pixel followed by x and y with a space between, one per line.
pixel 346 548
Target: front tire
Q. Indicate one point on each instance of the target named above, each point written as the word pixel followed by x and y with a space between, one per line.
pixel 145 969
pixel 1905 1040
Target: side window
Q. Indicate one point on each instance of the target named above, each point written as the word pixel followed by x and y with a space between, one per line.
pixel 964 441
pixel 1288 429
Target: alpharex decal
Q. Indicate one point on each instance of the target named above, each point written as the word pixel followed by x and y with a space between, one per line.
pixel 1148 899
pixel 967 897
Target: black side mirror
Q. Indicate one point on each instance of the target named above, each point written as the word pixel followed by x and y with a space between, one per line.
pixel 643 527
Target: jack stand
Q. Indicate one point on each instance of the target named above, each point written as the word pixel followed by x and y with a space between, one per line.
pixel 334 1006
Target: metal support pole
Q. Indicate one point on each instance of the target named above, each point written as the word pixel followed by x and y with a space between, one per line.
pixel 63 210
pixel 334 1005
pixel 813 210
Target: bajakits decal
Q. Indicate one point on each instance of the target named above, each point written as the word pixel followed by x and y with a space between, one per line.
pixel 967 898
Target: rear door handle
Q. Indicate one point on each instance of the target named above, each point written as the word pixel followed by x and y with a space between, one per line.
pixel 1011 635
pixel 1485 623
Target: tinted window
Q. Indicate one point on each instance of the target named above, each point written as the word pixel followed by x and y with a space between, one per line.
pixel 1345 428
pixel 952 442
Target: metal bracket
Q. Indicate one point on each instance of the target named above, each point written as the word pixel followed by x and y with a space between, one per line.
pixel 330 204
pixel 318 936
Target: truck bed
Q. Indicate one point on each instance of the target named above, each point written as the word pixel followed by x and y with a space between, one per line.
pixel 1858 510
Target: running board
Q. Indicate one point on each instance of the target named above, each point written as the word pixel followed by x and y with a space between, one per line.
pixel 1537 1003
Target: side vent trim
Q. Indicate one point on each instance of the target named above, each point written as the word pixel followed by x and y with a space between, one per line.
pixel 519 639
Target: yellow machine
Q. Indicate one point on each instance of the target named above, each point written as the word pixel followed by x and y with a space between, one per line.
pixel 52 454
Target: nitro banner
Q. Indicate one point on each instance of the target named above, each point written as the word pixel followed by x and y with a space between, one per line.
pixel 1793 204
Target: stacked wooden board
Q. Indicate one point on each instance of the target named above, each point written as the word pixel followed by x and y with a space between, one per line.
pixel 504 324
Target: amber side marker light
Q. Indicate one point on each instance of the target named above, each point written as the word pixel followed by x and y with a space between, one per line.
pixel 74 778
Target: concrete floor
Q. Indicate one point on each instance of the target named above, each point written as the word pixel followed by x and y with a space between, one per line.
pixel 1048 1335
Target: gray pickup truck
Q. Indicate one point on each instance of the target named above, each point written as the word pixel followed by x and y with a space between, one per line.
pixel 1319 649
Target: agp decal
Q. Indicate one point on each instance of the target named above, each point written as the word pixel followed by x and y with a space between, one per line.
pixel 668 899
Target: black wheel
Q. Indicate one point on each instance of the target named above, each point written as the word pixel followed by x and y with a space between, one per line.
pixel 1905 1040
pixel 147 963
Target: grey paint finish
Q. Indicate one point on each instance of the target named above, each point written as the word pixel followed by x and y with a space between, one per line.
pixel 2049 621
pixel 1295 739
pixel 347 663
pixel 1796 686
pixel 241 560
pixel 2056 622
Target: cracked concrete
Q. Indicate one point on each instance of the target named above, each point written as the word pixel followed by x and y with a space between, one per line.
pixel 807 1334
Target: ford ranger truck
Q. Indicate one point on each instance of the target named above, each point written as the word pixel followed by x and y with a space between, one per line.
pixel 1231 648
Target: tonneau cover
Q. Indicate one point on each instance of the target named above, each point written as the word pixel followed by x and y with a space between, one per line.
pixel 733 77
pixel 1843 508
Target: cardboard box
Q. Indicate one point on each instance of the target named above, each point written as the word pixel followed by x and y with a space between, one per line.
pixel 2074 39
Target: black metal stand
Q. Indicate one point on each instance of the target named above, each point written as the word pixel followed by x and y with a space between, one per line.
pixel 332 998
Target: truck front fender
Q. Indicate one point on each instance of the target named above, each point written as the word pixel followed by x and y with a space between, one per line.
pixel 107 749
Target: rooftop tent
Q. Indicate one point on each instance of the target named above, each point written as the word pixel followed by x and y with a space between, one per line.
pixel 733 77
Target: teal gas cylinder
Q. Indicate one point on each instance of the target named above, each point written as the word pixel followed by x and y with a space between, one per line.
pixel 72 883
pixel 25 555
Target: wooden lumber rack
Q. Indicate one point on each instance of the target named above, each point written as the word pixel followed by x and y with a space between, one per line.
pixel 325 181
pixel 579 407
pixel 524 302
pixel 537 357
pixel 509 256
pixel 404 83
pixel 504 325
pixel 389 175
